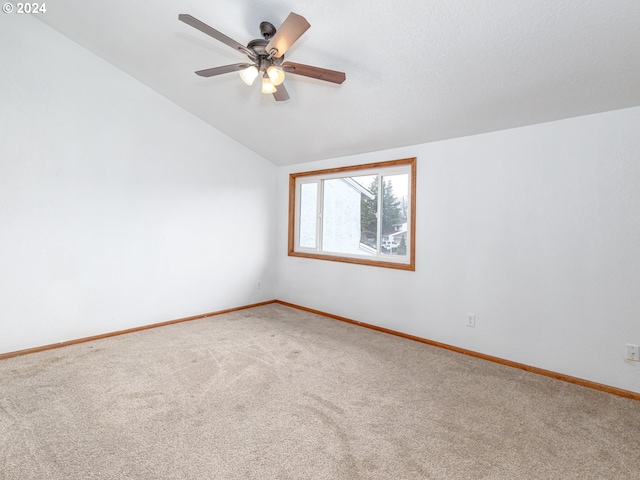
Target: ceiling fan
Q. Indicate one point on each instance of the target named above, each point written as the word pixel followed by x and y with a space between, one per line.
pixel 266 55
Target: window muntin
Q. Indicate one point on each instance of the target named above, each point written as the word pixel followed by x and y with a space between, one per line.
pixel 362 214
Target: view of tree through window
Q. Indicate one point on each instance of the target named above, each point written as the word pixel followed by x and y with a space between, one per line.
pixel 394 216
pixel 354 213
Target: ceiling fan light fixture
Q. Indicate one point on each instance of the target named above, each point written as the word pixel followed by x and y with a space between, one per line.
pixel 276 75
pixel 267 86
pixel 248 75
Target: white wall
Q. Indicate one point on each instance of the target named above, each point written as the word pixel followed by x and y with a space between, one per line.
pixel 117 208
pixel 536 230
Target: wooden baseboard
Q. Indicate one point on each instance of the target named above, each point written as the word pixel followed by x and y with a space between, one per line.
pixel 547 373
pixel 17 353
pixel 540 371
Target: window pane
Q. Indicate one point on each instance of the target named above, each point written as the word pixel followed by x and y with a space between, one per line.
pixel 344 201
pixel 308 214
pixel 395 190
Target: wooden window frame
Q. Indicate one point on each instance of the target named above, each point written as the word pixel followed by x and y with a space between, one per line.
pixel 410 265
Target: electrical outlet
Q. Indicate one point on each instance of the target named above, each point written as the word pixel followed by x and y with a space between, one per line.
pixel 633 353
pixel 259 284
pixel 471 319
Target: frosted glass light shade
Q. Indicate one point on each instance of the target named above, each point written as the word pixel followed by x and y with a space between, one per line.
pixel 276 75
pixel 248 75
pixel 267 86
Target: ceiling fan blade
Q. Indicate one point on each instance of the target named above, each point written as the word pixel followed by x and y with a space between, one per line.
pixel 291 30
pixel 314 72
pixel 281 93
pixel 212 32
pixel 210 72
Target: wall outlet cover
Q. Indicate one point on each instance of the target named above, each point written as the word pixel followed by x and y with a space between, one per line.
pixel 471 319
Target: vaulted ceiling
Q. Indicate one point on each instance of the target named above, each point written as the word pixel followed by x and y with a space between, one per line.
pixel 417 70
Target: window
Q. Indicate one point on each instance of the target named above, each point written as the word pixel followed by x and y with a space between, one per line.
pixel 361 214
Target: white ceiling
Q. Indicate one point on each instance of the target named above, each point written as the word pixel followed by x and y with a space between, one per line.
pixel 417 70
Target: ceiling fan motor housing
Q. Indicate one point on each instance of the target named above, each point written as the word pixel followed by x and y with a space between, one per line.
pixel 263 58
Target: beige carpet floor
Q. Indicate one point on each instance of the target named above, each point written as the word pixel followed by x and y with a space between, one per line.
pixel 276 393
